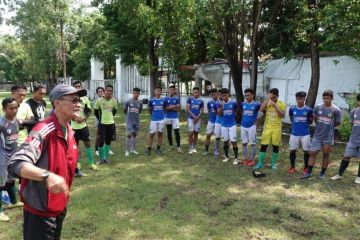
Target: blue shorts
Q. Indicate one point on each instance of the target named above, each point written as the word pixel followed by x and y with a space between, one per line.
pixel 352 150
pixel 317 144
pixel 132 128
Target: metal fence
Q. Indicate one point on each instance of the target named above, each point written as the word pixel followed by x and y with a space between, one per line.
pixel 92 85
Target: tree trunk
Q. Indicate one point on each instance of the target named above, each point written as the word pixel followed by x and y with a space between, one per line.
pixel 315 71
pixel 153 59
pixel 236 74
pixel 154 65
pixel 257 5
pixel 315 60
pixel 63 50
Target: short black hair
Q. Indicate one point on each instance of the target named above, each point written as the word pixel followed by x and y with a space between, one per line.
pixel 224 91
pixel 7 101
pixel 328 93
pixel 196 88
pixel 17 87
pixel 38 86
pixel 213 90
pixel 172 86
pixel 109 86
pixel 158 87
pixel 77 82
pixel 136 89
pixel 250 90
pixel 98 88
pixel 358 97
pixel 274 91
pixel 301 94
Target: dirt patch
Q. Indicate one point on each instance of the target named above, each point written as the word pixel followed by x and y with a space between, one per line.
pixel 163 203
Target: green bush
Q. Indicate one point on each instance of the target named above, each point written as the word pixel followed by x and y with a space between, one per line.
pixel 345 126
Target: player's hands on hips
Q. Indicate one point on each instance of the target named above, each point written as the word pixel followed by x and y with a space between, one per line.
pixel 57 184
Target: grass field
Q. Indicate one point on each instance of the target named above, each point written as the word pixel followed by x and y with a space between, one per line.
pixel 178 196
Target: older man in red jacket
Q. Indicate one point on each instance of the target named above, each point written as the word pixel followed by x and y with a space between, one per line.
pixel 46 164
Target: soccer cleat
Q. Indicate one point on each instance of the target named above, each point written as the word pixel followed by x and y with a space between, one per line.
pixel 170 149
pixel 134 152
pixel 336 177
pixel 80 174
pixel 321 175
pixel 258 166
pixel 190 151
pixel 105 161
pixel 291 170
pixel 97 153
pixel 305 170
pixel 205 153
pixel 306 176
pixel 251 163
pixel 226 159
pixel 236 162
pixel 147 152
pixel 357 180
pixel 111 152
pixel 246 162
pixel 93 167
pixel 194 150
pixel 127 153
pixel 178 149
pixel 158 152
pixel 3 217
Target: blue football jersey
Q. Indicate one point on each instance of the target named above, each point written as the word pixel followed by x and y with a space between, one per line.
pixel 249 113
pixel 171 102
pixel 157 106
pixel 195 106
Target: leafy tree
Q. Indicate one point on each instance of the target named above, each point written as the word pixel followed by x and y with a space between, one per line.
pixel 41 25
pixel 12 60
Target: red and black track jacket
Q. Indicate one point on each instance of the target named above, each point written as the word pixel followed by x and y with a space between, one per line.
pixel 47 148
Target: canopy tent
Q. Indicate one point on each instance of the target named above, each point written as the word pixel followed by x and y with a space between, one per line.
pixel 340 74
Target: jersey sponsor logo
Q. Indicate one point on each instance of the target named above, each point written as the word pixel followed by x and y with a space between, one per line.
pixel 228 112
pixel 158 108
pixel 330 115
pixel 248 113
pixel 324 119
pixel 300 119
pixel 8 131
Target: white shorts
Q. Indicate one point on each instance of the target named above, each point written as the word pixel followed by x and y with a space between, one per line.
pixel 228 133
pixel 248 135
pixel 210 128
pixel 217 130
pixel 194 127
pixel 156 126
pixel 295 141
pixel 173 121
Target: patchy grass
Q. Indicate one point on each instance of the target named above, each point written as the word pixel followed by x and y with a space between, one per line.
pixel 178 196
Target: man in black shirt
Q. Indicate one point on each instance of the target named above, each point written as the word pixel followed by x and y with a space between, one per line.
pixel 37 103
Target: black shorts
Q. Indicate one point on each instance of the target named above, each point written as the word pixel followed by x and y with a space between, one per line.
pixel 107 133
pixel 82 134
pixel 44 228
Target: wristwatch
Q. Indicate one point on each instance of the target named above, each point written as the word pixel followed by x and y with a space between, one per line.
pixel 45 175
